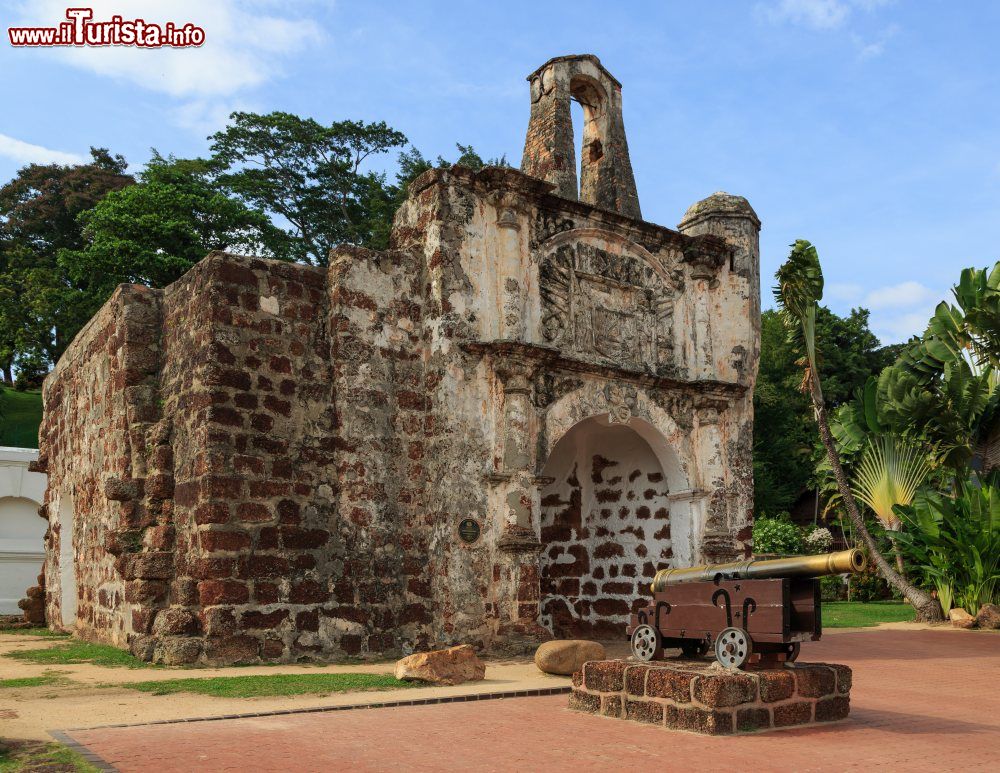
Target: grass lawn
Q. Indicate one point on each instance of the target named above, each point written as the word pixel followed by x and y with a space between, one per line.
pixel 81 652
pixel 20 415
pixel 272 684
pixel 40 755
pixel 28 681
pixel 855 614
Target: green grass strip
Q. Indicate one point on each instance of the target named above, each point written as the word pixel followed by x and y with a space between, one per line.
pixel 28 681
pixel 18 756
pixel 855 614
pixel 266 685
pixel 81 652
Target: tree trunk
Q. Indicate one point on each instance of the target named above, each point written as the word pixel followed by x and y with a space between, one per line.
pixel 927 609
pixel 896 552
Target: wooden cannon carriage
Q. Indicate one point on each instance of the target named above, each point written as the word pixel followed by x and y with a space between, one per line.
pixel 750 612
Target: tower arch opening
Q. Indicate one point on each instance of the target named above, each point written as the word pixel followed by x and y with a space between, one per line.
pixel 605 527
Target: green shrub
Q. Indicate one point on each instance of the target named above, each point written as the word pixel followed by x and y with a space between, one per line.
pixel 833 588
pixel 869 585
pixel 776 535
pixel 954 543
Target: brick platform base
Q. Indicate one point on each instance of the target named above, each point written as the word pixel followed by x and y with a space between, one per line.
pixel 705 698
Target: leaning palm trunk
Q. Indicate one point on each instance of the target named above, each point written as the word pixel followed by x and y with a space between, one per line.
pixel 800 287
pixel 927 609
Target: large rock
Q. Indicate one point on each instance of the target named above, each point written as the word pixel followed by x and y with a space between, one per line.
pixel 451 666
pixel 567 656
pixel 961 619
pixel 989 616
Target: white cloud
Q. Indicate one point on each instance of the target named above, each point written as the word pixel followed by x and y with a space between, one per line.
pixel 244 44
pixel 207 116
pixel 905 294
pixel 26 153
pixel 815 14
pixel 894 329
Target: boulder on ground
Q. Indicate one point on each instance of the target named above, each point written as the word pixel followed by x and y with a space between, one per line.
pixel 451 666
pixel 961 619
pixel 567 656
pixel 989 616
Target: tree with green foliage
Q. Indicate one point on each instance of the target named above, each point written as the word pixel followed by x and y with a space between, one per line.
pixel 41 306
pixel 152 232
pixel 798 292
pixel 310 177
pixel 786 442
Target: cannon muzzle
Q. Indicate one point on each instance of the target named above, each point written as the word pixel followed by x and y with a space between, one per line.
pixel 842 562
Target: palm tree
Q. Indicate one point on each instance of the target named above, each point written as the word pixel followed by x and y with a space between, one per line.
pixel 799 290
pixel 890 471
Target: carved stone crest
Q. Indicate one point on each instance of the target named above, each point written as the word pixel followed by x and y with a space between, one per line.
pixel 607 306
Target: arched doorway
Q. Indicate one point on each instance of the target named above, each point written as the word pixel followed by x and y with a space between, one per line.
pixel 605 527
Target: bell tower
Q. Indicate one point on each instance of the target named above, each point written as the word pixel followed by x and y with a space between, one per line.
pixel 605 169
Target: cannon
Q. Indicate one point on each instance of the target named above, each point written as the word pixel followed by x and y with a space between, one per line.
pixel 751 612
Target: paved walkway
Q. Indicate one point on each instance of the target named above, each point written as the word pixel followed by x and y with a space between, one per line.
pixel 926 700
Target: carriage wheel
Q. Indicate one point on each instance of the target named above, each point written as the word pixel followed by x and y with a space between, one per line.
pixel 733 647
pixel 646 643
pixel 792 653
pixel 692 648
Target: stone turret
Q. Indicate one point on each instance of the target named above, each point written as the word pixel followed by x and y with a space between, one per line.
pixel 606 171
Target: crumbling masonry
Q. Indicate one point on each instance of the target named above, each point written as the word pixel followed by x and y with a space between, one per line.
pixel 271 462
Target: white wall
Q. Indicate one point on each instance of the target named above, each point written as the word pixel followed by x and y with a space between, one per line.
pixel 21 530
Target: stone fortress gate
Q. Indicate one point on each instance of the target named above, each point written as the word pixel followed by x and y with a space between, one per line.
pixel 495 430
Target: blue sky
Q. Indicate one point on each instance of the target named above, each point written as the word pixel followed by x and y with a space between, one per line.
pixel 870 127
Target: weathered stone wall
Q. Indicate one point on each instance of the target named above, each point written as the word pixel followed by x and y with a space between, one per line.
pixel 95 397
pixel 278 456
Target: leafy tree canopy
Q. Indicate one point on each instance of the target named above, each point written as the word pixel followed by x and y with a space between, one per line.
pixel 154 231
pixel 41 307
pixel 786 444
pixel 311 177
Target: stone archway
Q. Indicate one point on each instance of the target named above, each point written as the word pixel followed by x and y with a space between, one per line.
pixel 605 527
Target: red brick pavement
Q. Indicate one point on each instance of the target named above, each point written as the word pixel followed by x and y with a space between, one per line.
pixel 922 700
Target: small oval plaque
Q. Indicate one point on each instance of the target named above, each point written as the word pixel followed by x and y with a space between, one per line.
pixel 469 531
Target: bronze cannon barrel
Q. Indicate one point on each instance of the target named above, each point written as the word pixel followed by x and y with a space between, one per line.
pixel 842 562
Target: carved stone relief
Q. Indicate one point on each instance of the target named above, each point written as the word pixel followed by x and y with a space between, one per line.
pixel 612 307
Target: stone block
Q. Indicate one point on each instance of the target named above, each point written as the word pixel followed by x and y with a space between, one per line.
pixel 988 616
pixel 175 622
pixel 749 720
pixel 635 680
pixel 669 683
pixel 644 711
pixel 454 665
pixel 706 721
pixel 611 706
pixel 787 714
pixel 961 619
pixel 776 685
pixel 814 681
pixel 582 701
pixel 231 650
pixel 604 675
pixel 725 689
pixel 833 709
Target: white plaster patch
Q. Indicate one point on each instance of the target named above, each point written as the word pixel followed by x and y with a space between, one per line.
pixel 269 303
